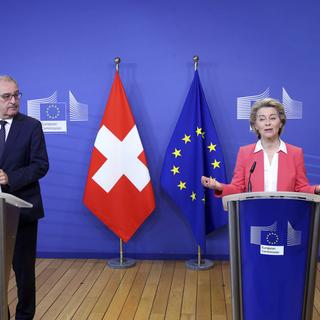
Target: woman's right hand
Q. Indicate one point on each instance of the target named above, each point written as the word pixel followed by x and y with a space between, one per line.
pixel 211 183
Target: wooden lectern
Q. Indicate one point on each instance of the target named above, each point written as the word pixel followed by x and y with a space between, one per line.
pixel 274 238
pixel 9 219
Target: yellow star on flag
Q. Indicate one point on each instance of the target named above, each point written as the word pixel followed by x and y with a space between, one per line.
pixel 203 199
pixel 193 196
pixel 186 138
pixel 175 170
pixel 176 153
pixel 216 164
pixel 203 133
pixel 212 147
pixel 199 131
pixel 182 185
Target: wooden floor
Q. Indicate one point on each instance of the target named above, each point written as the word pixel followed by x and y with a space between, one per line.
pixel 88 289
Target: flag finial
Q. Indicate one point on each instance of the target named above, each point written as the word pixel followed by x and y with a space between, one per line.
pixel 117 61
pixel 196 62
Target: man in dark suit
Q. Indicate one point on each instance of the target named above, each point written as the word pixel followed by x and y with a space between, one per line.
pixel 23 161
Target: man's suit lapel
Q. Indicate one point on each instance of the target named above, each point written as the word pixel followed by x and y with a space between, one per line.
pixel 12 137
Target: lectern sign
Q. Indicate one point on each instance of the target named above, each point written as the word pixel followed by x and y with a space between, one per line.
pixel 272 240
pixel 274 250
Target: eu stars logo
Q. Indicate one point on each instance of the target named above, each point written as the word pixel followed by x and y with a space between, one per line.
pixel 272 238
pixel 182 175
pixel 53 112
pixel 53 117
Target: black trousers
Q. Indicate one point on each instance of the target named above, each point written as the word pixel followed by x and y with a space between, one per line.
pixel 24 259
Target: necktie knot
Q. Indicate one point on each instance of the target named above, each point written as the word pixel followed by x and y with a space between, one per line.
pixel 3 123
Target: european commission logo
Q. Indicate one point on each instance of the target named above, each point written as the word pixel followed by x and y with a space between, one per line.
pixel 293 108
pixel 273 242
pixel 54 115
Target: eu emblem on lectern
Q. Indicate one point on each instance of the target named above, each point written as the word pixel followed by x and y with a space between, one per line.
pixel 273 241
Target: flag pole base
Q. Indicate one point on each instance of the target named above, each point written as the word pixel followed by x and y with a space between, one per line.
pixel 124 264
pixel 205 264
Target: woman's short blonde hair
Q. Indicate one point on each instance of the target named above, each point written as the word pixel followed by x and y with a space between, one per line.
pixel 271 103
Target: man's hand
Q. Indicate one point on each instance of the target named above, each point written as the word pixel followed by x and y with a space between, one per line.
pixel 3 178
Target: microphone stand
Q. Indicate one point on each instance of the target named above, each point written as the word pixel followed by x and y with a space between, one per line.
pixel 249 179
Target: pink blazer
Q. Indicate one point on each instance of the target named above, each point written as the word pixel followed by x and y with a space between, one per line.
pixel 291 172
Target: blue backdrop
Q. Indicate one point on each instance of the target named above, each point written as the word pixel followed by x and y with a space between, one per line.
pixel 68 47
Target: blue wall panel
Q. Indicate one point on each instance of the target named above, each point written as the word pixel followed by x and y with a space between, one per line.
pixel 244 48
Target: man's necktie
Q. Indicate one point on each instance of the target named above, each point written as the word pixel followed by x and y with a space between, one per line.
pixel 2 137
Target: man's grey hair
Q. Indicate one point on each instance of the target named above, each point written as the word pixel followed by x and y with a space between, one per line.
pixel 8 78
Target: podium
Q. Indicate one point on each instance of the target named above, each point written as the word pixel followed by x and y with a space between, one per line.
pixel 274 240
pixel 9 219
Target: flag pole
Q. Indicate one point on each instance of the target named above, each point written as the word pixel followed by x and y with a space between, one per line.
pixel 196 62
pixel 117 61
pixel 121 252
pixel 198 264
pixel 121 263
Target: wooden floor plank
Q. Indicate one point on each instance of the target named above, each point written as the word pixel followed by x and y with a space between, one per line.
pixel 203 311
pixel 189 295
pixel 218 304
pixel 318 278
pixel 58 288
pixel 176 292
pixel 56 274
pixel 227 288
pixel 88 289
pixel 130 307
pixel 315 314
pixel 94 294
pixel 47 272
pixel 149 292
pixel 160 302
pixel 317 300
pixel 57 268
pixel 69 290
pixel 107 294
pixel 121 295
pixel 77 298
pixel 41 265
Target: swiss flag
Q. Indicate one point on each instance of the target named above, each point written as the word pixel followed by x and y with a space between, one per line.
pixel 119 190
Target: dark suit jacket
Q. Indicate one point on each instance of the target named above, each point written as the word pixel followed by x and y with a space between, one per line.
pixel 25 161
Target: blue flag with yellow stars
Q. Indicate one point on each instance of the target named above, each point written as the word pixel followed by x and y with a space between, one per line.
pixel 194 151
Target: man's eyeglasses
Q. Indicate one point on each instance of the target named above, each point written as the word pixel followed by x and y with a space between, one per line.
pixel 8 96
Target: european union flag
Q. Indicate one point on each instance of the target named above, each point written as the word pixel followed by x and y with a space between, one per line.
pixel 193 151
pixel 52 111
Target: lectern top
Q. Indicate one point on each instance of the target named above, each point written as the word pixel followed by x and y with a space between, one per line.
pixel 15 201
pixel 269 195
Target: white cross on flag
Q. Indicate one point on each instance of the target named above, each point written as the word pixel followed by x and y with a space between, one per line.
pixel 119 190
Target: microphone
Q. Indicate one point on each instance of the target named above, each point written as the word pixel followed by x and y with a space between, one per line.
pixel 251 172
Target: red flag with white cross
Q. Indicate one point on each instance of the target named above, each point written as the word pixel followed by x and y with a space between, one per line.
pixel 118 189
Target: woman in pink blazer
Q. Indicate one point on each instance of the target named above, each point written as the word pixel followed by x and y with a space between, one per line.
pixel 273 164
